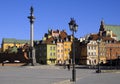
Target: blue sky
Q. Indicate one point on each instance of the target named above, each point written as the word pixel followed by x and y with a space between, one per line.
pixel 55 14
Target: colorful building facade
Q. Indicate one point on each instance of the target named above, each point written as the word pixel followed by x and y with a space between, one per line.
pixel 92 53
pixel 46 53
pixel 67 51
pixel 112 51
pixel 11 42
pixel 60 52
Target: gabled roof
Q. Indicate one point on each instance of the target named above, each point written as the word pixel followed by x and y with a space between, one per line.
pixel 49 40
pixel 96 36
pixel 62 36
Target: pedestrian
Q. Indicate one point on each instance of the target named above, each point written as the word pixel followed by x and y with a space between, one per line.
pixel 68 65
pixel 64 65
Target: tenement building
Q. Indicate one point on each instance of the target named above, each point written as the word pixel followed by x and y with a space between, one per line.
pixel 12 42
pixel 105 44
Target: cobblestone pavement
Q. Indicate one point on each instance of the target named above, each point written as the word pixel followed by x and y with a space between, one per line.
pixel 43 74
pixel 46 74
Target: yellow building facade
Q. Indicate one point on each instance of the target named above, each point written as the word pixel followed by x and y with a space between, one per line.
pixel 10 42
pixel 67 51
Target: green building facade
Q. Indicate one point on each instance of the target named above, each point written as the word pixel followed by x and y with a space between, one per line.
pixel 46 54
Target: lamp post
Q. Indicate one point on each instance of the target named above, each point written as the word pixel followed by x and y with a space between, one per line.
pixel 98 68
pixel 32 50
pixel 73 27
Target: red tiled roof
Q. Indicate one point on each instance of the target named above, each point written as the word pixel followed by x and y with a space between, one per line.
pixel 96 36
pixel 49 40
pixel 63 35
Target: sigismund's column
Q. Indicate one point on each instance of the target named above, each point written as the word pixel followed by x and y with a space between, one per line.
pixel 32 49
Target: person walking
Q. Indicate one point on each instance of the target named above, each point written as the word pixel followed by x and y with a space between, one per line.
pixel 68 65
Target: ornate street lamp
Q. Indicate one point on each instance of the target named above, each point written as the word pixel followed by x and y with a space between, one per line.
pixel 98 68
pixel 73 27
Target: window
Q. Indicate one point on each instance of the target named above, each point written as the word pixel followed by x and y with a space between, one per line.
pixel 51 48
pixel 69 50
pixel 58 56
pixel 58 50
pixel 65 49
pixel 57 45
pixel 94 53
pixel 53 54
pixel 50 54
pixel 94 47
pixel 65 44
pixel 88 53
pixel 106 41
pixel 89 47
